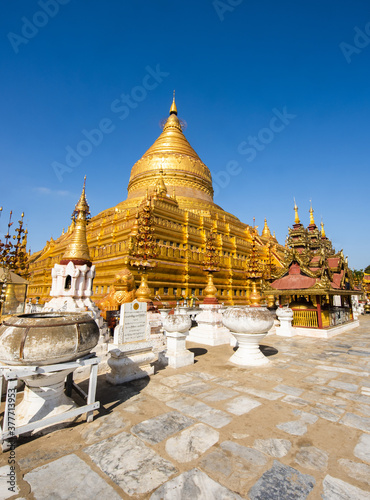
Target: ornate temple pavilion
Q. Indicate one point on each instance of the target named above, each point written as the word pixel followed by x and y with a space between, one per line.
pixel 172 179
pixel 315 281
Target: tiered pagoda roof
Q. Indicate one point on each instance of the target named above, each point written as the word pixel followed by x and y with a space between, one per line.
pixel 311 264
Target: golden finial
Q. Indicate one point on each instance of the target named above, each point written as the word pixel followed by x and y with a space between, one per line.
pixel 173 109
pixel 323 235
pixel 266 231
pixel 77 250
pixel 82 205
pixel 312 221
pixel 296 218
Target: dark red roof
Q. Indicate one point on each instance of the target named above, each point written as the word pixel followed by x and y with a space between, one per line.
pixel 293 282
pixel 337 278
pixel 333 261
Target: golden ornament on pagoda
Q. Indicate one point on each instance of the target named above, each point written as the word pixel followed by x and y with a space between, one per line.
pixel 210 265
pixel 144 249
pixel 254 273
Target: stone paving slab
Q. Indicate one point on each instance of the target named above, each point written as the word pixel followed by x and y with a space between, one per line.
pixel 194 387
pixel 241 405
pixel 362 448
pixel 132 465
pixel 352 420
pixel 292 391
pixel 294 427
pixel 282 482
pixel 271 396
pixel 217 395
pixel 274 447
pixel 191 443
pixel 69 477
pixel 312 458
pixel 157 429
pixel 359 471
pixel 338 384
pixel 193 484
pixel 336 489
pixel 7 488
pixel 102 428
pixel 204 413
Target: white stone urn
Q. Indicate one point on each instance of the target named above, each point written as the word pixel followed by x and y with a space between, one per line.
pixel 249 325
pixel 163 313
pixel 180 323
pixel 285 316
pixel 177 327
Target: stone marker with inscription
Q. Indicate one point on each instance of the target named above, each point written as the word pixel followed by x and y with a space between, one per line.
pixel 132 350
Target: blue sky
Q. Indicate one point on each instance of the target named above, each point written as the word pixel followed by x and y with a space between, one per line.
pixel 275 95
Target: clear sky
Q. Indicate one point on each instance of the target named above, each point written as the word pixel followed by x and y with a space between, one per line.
pixel 276 97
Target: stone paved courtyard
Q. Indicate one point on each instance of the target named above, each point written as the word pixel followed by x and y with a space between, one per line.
pixel 297 428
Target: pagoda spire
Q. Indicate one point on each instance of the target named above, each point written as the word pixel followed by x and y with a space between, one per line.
pixel 312 220
pixel 77 250
pixel 266 230
pixel 296 218
pixel 323 235
pixel 173 109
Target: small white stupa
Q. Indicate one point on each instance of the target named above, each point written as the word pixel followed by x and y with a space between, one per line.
pixel 72 279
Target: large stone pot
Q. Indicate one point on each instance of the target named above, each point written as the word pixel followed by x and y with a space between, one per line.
pixel 249 325
pixel 47 338
pixel 177 323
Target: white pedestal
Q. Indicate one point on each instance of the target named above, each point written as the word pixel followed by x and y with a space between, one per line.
pixel 44 403
pixel 285 316
pixel 43 397
pixel 176 355
pixel 249 353
pixel 130 365
pixel 210 330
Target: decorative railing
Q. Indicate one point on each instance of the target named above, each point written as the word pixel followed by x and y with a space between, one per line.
pixel 305 318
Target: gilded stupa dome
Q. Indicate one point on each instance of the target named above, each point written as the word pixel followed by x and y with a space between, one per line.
pixel 185 173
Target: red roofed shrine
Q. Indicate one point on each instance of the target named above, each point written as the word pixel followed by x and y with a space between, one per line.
pixel 315 281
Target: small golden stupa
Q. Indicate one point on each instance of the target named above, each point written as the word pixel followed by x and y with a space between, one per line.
pixel 77 249
pixel 177 185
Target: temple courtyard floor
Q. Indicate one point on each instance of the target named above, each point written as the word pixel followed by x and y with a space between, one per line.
pixel 296 428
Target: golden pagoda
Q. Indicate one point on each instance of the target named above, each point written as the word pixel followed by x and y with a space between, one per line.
pixel 171 179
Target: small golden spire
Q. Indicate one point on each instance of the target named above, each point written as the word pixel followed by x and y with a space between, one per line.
pixel 296 219
pixel 266 231
pixel 323 235
pixel 312 221
pixel 77 250
pixel 173 109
